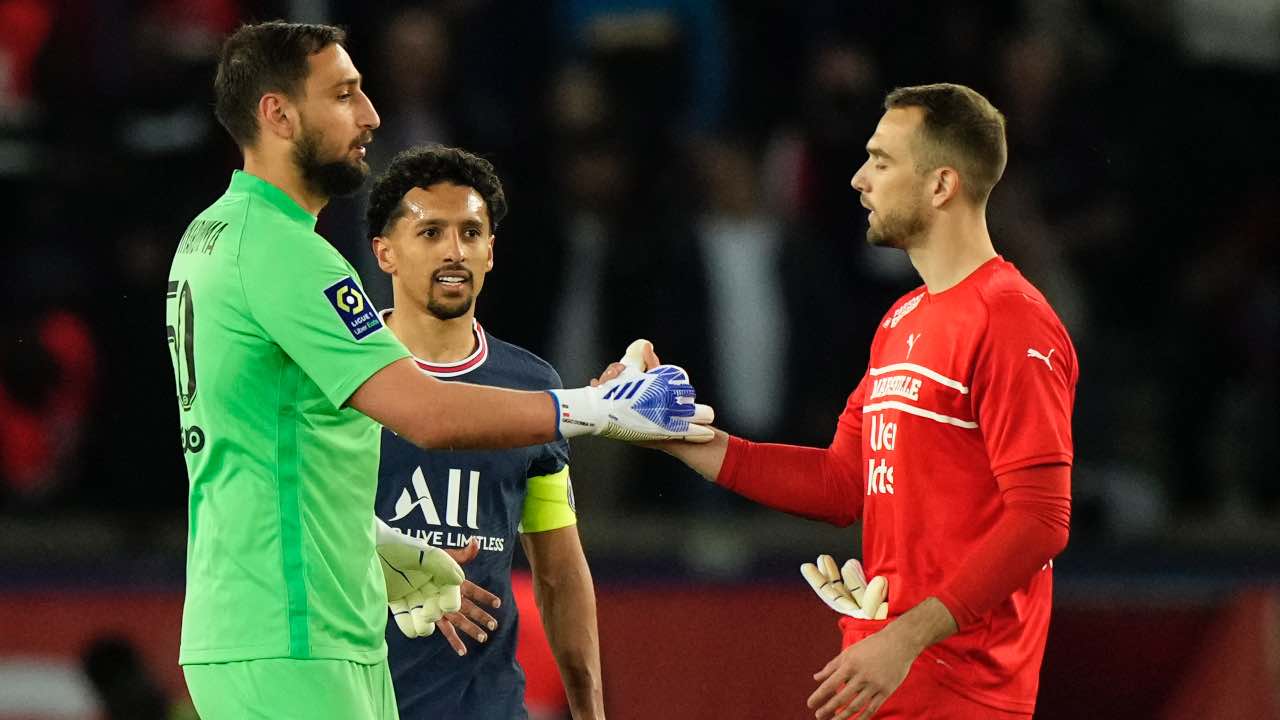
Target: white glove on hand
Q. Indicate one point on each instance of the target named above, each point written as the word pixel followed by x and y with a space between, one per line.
pixel 636 406
pixel 846 589
pixel 423 582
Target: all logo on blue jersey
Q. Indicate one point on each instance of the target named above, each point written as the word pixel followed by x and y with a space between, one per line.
pixel 357 313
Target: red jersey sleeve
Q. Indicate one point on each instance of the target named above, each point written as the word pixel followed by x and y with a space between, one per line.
pixel 820 484
pixel 1032 529
pixel 1024 382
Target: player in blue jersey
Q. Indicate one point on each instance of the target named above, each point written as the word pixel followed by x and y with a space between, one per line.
pixel 431 222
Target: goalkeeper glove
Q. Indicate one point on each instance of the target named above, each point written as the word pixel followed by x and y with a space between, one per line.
pixel 423 581
pixel 846 589
pixel 636 406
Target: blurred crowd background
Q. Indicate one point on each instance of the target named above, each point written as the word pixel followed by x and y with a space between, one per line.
pixel 678 170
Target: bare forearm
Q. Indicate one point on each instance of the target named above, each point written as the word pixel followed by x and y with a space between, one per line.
pixel 566 598
pixel 435 414
pixel 923 625
pixel 704 458
pixel 460 415
pixel 568 606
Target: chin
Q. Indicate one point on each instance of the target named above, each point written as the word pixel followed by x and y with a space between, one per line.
pixel 875 239
pixel 449 311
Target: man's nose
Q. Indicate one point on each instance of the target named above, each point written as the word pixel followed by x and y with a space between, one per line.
pixel 457 250
pixel 369 119
pixel 857 182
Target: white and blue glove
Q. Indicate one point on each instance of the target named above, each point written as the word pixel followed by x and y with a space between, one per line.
pixel 636 406
pixel 423 582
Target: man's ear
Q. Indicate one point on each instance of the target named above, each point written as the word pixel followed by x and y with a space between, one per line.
pixel 277 116
pixel 384 254
pixel 489 264
pixel 946 186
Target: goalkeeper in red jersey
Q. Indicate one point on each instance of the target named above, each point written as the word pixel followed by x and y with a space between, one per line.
pixel 955 448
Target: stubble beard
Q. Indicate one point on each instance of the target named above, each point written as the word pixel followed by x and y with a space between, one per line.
pixel 897 229
pixel 448 310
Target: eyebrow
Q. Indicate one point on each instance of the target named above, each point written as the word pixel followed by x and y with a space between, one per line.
pixel 877 152
pixel 349 81
pixel 424 222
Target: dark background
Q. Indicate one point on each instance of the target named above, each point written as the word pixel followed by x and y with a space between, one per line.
pixel 680 171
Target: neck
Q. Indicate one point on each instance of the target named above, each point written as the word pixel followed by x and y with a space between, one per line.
pixel 952 249
pixel 284 174
pixel 427 336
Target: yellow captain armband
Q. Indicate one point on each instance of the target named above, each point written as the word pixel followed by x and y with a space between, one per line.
pixel 548 503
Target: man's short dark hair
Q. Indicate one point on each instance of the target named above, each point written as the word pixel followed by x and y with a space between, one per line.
pixel 258 59
pixel 424 166
pixel 961 129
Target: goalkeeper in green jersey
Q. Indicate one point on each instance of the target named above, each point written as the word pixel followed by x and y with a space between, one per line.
pixel 284 372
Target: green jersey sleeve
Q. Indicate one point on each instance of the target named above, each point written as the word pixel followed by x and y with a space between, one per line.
pixel 307 298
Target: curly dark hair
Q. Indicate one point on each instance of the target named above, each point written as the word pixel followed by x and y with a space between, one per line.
pixel 424 166
pixel 258 59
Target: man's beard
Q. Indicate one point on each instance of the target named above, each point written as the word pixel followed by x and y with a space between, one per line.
pixel 328 178
pixel 443 310
pixel 898 228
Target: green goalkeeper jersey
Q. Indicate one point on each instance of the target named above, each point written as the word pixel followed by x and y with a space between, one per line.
pixel 270 334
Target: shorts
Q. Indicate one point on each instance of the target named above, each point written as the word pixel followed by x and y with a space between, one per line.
pixel 921 696
pixel 284 688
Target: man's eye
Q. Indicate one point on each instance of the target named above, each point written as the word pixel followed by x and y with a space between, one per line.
pixel 430 232
pixel 344 96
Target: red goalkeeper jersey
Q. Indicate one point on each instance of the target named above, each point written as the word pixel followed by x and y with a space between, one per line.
pixel 962 386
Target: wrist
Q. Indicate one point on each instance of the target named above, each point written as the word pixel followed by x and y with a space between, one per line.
pixel 577 412
pixel 586 704
pixel 923 625
pixel 907 635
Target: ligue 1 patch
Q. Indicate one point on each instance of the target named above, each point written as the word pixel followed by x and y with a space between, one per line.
pixel 357 313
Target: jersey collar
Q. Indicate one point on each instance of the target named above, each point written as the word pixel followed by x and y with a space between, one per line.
pixel 243 182
pixel 459 367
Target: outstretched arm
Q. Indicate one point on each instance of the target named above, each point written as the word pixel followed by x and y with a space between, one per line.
pixel 435 414
pixel 818 483
pixel 637 407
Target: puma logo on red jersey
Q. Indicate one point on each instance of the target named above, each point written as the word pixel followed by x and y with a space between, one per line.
pixel 1033 353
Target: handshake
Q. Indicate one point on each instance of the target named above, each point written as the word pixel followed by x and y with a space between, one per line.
pixel 424 583
pixel 846 589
